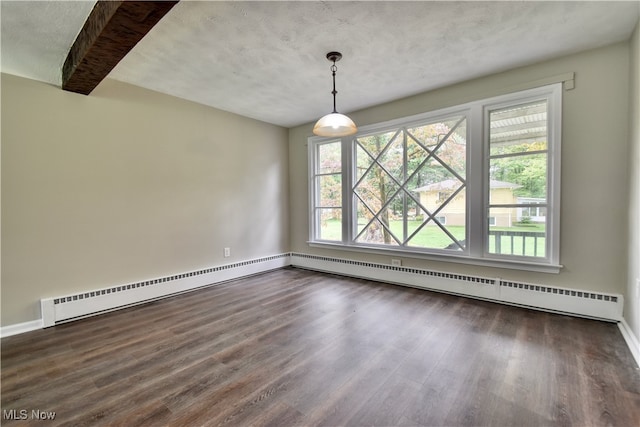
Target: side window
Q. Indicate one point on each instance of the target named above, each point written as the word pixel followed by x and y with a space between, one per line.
pixel 327 189
pixel 519 179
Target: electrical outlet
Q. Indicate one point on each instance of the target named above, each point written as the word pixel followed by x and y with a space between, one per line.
pixel 227 252
pixel 396 262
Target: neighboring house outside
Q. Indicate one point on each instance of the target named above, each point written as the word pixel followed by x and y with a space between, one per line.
pixel 532 213
pixel 432 197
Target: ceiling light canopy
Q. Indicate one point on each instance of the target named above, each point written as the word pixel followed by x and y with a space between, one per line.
pixel 334 123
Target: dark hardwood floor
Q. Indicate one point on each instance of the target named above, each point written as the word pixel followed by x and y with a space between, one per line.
pixel 293 347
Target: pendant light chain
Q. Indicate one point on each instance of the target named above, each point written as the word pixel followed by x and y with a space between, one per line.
pixel 334 91
pixel 334 124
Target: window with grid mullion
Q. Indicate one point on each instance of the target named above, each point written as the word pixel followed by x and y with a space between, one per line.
pixel 479 180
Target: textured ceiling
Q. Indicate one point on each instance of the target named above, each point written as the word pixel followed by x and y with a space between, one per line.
pixel 266 60
pixel 36 36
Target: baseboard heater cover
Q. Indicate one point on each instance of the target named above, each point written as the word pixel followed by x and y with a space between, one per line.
pixel 79 305
pixel 581 303
pixel 596 305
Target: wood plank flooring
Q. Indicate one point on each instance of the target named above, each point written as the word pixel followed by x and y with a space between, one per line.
pixel 293 347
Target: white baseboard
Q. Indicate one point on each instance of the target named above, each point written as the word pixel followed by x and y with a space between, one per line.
pixel 593 305
pixel 20 328
pixel 89 303
pixel 92 302
pixel 632 341
pixel 581 303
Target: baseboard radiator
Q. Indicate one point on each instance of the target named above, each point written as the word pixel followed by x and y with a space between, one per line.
pixel 76 306
pixel 595 305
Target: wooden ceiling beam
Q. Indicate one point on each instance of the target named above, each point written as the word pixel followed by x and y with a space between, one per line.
pixel 112 29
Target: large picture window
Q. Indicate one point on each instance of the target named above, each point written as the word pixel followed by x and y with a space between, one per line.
pixel 474 183
pixel 409 185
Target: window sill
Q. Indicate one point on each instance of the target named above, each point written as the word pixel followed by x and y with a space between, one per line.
pixel 485 262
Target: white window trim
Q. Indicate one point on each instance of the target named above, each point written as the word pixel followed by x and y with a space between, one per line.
pixel 553 93
pixel 477 184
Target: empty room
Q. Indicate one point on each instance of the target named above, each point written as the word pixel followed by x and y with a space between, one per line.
pixel 315 213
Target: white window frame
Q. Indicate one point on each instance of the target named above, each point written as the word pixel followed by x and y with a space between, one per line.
pixel 314 149
pixel 477 187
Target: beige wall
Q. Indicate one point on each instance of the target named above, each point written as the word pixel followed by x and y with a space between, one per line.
pixel 126 185
pixel 632 301
pixel 594 173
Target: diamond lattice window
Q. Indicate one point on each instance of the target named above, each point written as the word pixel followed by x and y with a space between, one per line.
pixel 409 183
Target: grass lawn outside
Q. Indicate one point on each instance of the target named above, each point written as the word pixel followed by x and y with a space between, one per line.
pixel 433 237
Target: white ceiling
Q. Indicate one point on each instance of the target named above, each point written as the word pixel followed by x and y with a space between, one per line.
pixel 266 60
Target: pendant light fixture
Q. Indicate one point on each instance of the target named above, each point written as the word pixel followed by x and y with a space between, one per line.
pixel 334 124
